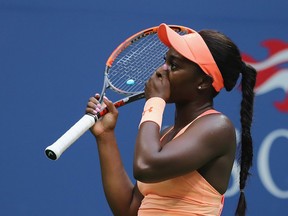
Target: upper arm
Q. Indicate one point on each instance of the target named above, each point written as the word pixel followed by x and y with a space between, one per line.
pixel 207 138
pixel 135 202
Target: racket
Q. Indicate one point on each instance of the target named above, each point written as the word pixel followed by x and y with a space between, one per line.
pixel 127 69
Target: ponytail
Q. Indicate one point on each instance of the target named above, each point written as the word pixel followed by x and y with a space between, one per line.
pixel 229 60
pixel 246 152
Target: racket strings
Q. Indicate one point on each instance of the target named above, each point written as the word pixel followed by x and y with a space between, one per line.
pixel 135 64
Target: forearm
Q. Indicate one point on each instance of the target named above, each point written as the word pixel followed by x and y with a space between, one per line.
pixel 148 143
pixel 117 186
pixel 147 148
pixel 148 139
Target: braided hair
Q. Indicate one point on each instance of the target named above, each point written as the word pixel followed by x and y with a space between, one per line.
pixel 228 58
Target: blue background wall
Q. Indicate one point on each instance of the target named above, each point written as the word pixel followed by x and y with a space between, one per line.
pixel 52 56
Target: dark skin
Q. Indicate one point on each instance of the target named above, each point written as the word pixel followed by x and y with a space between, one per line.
pixel 208 145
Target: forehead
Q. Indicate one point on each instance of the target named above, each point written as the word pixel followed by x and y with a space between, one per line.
pixel 173 54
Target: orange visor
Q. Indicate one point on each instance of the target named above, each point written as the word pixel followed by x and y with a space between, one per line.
pixel 193 47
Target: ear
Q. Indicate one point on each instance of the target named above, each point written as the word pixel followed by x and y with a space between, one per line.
pixel 205 82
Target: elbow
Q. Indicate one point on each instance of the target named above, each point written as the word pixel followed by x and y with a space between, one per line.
pixel 148 171
pixel 142 171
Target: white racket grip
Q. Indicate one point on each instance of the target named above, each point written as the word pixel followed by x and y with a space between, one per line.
pixel 55 150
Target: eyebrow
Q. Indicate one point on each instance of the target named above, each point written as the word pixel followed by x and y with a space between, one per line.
pixel 176 57
pixel 173 56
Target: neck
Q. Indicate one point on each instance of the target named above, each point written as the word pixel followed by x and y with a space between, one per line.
pixel 185 113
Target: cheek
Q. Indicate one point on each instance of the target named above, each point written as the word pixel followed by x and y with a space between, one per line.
pixel 182 89
pixel 185 83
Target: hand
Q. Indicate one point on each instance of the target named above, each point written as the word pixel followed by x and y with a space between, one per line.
pixel 108 122
pixel 158 85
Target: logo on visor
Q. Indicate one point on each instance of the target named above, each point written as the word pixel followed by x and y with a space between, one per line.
pixel 272 71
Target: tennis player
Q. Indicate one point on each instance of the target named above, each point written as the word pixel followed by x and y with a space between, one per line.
pixel 184 169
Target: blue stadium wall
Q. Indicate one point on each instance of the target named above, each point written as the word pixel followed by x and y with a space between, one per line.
pixel 52 56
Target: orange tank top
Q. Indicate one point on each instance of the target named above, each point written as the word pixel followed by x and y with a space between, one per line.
pixel 189 194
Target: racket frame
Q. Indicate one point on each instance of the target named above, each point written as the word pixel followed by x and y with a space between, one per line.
pixel 55 150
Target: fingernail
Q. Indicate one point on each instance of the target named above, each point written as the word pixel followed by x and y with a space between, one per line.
pixel 165 66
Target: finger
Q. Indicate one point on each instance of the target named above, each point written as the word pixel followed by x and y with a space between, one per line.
pixel 93 100
pixel 110 105
pixel 165 73
pixel 164 67
pixel 159 75
pixel 96 106
pixel 93 105
pixel 91 111
pixel 93 108
pixel 97 96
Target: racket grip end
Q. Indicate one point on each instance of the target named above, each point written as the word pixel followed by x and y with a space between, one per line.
pixel 50 154
pixel 55 150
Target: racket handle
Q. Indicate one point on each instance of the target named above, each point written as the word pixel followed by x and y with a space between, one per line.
pixel 55 150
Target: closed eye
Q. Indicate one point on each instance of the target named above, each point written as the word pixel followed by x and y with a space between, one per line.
pixel 171 63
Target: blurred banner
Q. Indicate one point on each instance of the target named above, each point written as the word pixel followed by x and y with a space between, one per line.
pixel 52 57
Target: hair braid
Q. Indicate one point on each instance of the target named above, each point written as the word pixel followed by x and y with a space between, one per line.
pixel 246 157
pixel 228 58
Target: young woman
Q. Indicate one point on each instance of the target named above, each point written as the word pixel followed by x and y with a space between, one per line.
pixel 185 169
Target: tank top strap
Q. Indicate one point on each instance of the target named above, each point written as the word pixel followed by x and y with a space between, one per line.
pixel 208 112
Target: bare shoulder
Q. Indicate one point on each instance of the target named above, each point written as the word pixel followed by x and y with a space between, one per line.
pixel 216 130
pixel 220 144
pixel 216 122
